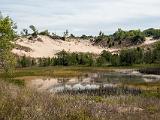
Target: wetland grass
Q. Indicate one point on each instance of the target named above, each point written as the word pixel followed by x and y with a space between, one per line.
pixel 20 103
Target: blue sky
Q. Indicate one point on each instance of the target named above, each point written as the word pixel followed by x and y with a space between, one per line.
pixel 83 16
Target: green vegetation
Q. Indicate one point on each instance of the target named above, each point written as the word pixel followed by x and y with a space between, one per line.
pixel 151 32
pixel 45 32
pixel 7 35
pixel 24 32
pixel 126 57
pixel 57 71
pixel 131 56
pixel 63 58
pixel 120 38
pixel 35 31
pixel 86 37
pixel 126 38
pixel 21 103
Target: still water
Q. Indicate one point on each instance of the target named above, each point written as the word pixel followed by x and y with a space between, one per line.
pixel 90 81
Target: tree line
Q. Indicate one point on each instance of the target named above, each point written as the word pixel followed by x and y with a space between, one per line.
pixel 126 57
pixel 120 38
pixel 62 58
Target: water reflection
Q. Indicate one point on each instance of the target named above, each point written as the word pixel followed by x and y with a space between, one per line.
pixel 91 81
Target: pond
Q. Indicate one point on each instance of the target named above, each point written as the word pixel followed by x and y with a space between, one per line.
pixel 94 81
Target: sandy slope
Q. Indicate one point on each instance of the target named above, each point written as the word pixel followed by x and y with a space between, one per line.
pixel 149 40
pixel 48 47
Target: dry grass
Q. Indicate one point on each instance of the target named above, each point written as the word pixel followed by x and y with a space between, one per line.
pixel 19 103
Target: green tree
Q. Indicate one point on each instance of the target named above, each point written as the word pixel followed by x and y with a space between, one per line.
pixel 72 36
pixel 115 60
pixel 107 55
pixel 62 58
pixel 26 61
pixel 45 32
pixel 40 62
pixel 7 37
pixel 90 60
pixel 119 35
pixel 35 31
pixel 148 57
pixel 24 32
pixel 156 53
pixel 65 34
pixel 100 61
pixel 33 62
pixel 73 59
pixel 138 38
pixel 149 32
pixel 84 37
pixel 127 57
pixel 138 55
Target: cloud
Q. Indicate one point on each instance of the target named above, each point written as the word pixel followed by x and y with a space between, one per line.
pixel 83 16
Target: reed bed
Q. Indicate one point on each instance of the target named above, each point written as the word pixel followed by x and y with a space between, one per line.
pixel 155 71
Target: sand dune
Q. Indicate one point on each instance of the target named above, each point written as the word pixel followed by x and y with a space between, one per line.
pixel 47 47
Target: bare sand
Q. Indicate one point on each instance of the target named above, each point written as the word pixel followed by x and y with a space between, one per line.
pixel 48 47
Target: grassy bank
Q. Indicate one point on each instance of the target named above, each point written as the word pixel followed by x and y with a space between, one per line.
pixel 22 104
pixel 71 71
pixel 57 71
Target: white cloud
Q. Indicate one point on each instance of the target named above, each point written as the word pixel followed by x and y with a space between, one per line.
pixel 83 16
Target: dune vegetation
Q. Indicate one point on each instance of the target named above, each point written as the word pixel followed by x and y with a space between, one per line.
pixel 18 102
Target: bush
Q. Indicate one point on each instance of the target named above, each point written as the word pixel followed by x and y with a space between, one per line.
pixel 35 31
pixel 127 57
pixel 45 32
pixel 151 32
pixel 115 60
pixel 25 61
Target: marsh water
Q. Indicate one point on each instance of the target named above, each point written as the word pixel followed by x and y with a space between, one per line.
pixel 92 81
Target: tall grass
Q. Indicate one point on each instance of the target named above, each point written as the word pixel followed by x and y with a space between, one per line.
pixel 17 103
